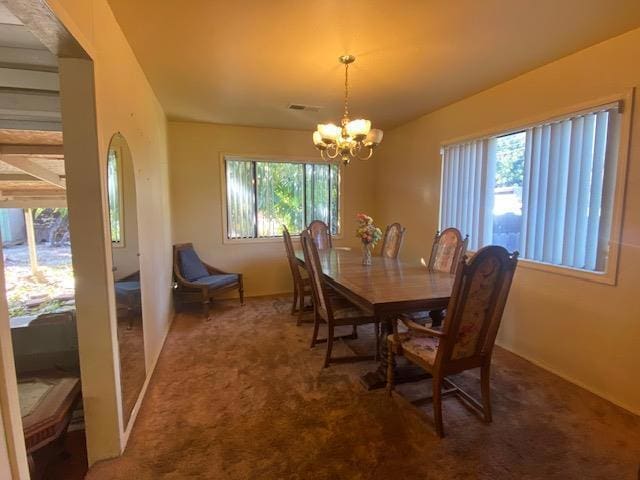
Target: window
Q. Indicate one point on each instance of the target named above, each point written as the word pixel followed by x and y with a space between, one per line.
pixel 264 195
pixel 114 190
pixel 546 190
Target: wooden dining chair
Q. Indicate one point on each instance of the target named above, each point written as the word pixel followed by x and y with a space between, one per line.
pixel 447 250
pixel 301 282
pixel 392 241
pixel 474 313
pixel 320 234
pixel 328 309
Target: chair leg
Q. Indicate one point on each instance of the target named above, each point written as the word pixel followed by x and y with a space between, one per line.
pixel 295 298
pixel 390 362
pixel 437 404
pixel 205 308
pixel 316 326
pixel 376 329
pixel 354 333
pixel 485 381
pixel 241 290
pixel 330 334
pixel 301 307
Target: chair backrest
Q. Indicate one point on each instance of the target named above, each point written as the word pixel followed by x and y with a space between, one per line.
pixel 194 268
pixel 318 289
pixel 392 240
pixel 320 234
pixel 447 250
pixel 291 256
pixel 477 301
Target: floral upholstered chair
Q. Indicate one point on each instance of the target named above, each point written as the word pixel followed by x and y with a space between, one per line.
pixel 447 249
pixel 392 241
pixel 198 282
pixel 473 316
pixel 320 234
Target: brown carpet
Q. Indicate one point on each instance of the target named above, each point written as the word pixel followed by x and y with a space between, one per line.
pixel 243 397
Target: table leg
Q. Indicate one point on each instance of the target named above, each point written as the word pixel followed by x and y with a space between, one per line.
pixel 404 373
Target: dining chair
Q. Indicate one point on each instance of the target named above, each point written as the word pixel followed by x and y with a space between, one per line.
pixel 447 250
pixel 332 311
pixel 301 283
pixel 321 235
pixel 392 241
pixel 466 341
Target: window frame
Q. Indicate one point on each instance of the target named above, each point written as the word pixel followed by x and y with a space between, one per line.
pixel 118 153
pixel 625 99
pixel 304 160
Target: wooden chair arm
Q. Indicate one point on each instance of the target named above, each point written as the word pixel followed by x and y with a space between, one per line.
pixel 212 270
pixel 416 327
pixel 184 282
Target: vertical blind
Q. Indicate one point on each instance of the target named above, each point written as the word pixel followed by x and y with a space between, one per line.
pixel 567 189
pixel 264 195
pixel 467 177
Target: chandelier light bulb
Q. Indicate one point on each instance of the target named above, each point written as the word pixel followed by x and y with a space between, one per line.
pixel 329 132
pixel 358 129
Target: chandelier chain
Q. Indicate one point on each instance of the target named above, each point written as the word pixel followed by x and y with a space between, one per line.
pixel 346 91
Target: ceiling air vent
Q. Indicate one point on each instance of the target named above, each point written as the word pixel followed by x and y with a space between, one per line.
pixel 307 108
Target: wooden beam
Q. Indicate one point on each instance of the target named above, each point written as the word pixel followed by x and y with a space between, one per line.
pixel 31 240
pixel 29 79
pixel 49 151
pixel 31 192
pixel 33 202
pixel 32 168
pixel 17 177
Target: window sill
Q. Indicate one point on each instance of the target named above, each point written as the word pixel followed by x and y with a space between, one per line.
pixel 266 241
pixel 606 278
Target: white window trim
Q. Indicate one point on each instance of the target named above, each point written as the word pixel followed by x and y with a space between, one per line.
pixel 119 163
pixel 276 159
pixel 610 275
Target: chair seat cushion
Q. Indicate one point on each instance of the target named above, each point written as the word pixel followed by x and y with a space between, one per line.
pixel 191 267
pixel 218 280
pixel 421 346
pixel 127 287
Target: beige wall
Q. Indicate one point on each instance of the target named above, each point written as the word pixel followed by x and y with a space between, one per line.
pixel 196 196
pixel 125 103
pixel 586 332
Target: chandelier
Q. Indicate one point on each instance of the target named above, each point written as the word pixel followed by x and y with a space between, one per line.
pixel 353 138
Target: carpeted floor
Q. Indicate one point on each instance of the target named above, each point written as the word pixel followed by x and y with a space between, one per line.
pixel 241 396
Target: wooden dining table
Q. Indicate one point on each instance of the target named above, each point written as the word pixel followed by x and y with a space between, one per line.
pixel 388 287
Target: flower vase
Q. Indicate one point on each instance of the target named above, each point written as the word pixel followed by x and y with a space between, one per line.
pixel 366 253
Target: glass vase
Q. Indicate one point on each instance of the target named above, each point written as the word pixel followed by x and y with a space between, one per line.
pixel 366 254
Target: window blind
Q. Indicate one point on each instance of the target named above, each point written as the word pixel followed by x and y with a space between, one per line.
pixel 567 191
pixel 467 180
pixel 555 197
pixel 264 195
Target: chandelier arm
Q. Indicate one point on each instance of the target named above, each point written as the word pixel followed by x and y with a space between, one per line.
pixel 335 153
pixel 369 155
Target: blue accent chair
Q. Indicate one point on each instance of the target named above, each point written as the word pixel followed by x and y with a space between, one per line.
pixel 196 281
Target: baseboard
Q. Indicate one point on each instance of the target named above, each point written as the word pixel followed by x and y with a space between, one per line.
pixel 551 369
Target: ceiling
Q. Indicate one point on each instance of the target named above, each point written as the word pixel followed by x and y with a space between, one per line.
pixel 244 62
pixel 31 153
